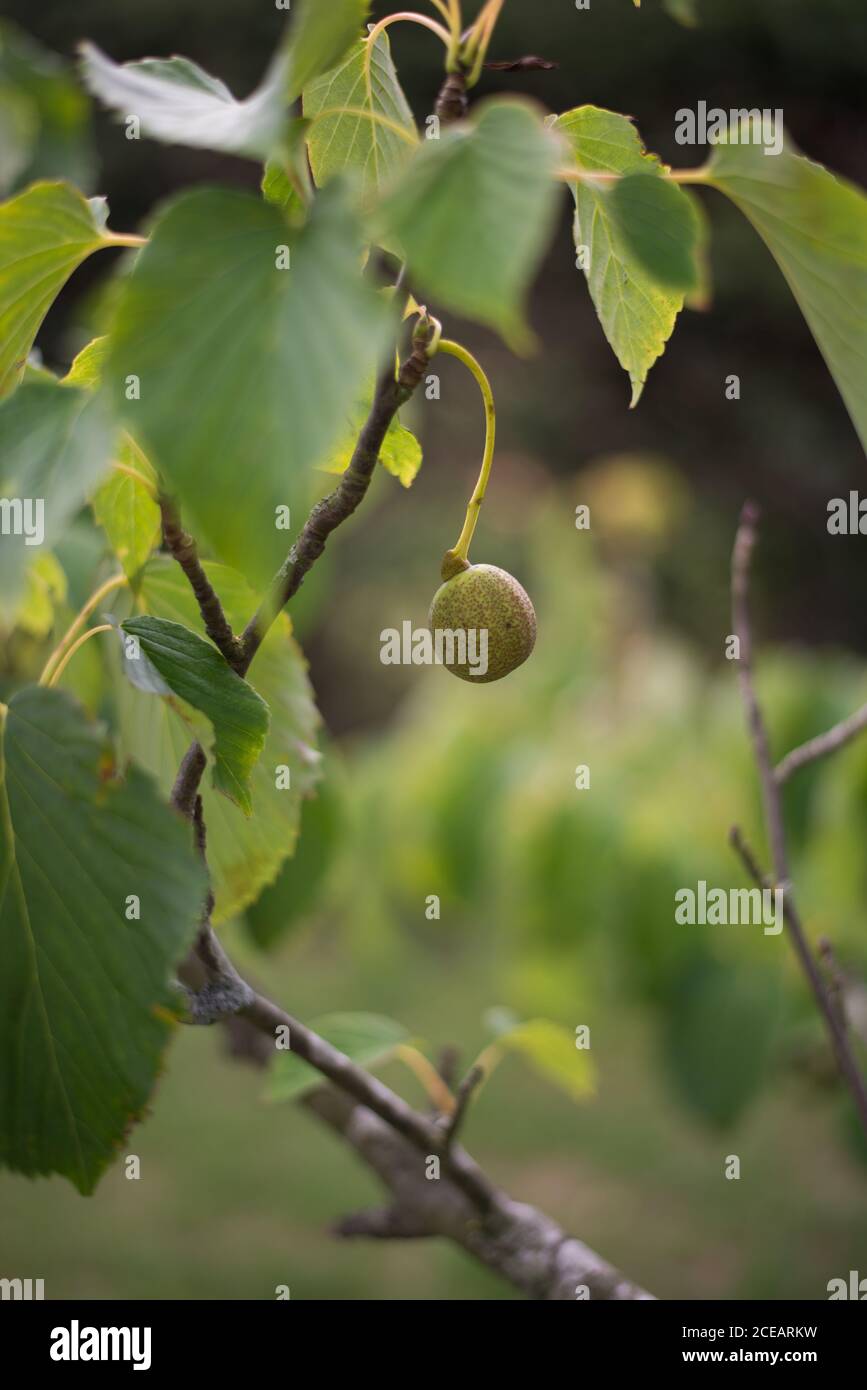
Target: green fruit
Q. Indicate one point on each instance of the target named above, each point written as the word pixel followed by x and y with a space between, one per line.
pixel 485 599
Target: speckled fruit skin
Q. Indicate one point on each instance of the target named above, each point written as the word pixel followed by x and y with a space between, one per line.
pixel 484 596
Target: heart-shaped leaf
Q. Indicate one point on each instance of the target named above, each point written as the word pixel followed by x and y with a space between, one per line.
pixel 636 237
pixel 44 234
pixel 250 348
pixel 473 212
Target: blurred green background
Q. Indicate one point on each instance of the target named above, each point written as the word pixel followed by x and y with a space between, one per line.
pixel 555 903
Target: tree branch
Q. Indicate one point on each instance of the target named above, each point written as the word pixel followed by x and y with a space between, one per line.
pixel 515 1241
pixel 745 542
pixel 822 745
pixel 183 547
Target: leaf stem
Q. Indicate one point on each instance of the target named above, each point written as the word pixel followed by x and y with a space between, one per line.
pixel 461 549
pixel 605 176
pixel 125 239
pixel 85 637
pixel 411 17
pixel 429 1077
pixel 117 581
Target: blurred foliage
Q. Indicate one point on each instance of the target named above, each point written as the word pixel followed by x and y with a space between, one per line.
pixel 555 902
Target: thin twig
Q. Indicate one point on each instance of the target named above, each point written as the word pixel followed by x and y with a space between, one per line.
pixel 745 541
pixel 474 1077
pixel 821 745
pixel 183 547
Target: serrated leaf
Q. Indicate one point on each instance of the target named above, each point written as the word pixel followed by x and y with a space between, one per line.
pixel 84 990
pixel 273 359
pixel 44 234
pixel 244 854
pixel 473 212
pixel 201 676
pixel 55 443
pixel 640 242
pixel 176 101
pixel 319 37
pixel 365 1039
pixel 360 118
pixel 550 1048
pixel 815 226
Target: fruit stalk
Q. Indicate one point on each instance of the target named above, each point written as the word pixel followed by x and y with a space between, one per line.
pixel 456 559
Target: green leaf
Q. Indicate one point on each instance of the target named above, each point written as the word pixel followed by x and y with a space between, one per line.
pixel 273 359
pixel 84 996
pixel 44 234
pixel 125 507
pixel 178 102
pixel 638 239
pixel 125 504
pixel 551 1049
pixel 400 454
pixel 44 591
pixel 88 365
pixel 719 1027
pixel 365 1039
pixel 360 118
pixel 55 443
pixel 473 213
pixel 244 854
pixel 295 891
pixel 199 674
pixel 319 37
pixel 44 115
pixel 815 226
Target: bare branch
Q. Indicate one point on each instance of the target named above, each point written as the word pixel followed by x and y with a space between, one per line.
pixel 183 547
pixel 190 773
pixel 745 541
pixel 822 745
pixel 514 1240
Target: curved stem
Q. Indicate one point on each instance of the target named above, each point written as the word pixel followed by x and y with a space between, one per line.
pixel 476 47
pixel 85 637
pixel 455 350
pixel 413 18
pixel 117 581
